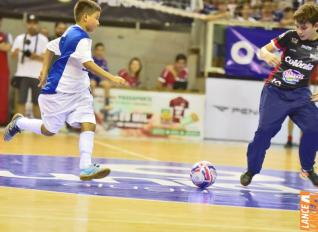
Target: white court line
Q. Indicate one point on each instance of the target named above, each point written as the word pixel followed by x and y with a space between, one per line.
pixel 117 148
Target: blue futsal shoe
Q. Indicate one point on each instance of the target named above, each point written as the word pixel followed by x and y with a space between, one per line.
pixel 95 171
pixel 12 129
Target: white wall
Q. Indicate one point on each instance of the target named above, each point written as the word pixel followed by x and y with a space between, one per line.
pixel 231 111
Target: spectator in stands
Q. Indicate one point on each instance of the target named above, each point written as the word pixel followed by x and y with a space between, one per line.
pixel 208 7
pixel 267 12
pixel 287 19
pixel 133 73
pixel 310 1
pixel 231 6
pixel 44 31
pixel 277 11
pixel 59 29
pixel 100 60
pixel 28 49
pixel 175 76
pixel 5 46
pixel 101 110
pixel 244 13
pixel 222 12
pixel 256 9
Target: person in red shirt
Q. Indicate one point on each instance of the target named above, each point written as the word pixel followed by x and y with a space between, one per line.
pixel 175 76
pixel 132 74
pixel 5 46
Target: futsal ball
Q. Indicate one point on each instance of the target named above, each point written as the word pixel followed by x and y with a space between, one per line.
pixel 203 174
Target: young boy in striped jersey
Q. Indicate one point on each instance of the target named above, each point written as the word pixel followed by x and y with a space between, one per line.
pixel 65 94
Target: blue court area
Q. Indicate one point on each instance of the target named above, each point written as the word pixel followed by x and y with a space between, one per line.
pixel 154 180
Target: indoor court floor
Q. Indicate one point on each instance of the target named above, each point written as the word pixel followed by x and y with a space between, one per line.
pixel 148 190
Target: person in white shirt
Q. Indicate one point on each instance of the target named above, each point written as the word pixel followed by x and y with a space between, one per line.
pixel 29 48
pixel 65 96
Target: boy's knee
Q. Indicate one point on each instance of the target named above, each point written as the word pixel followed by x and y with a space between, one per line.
pixel 87 126
pixel 45 132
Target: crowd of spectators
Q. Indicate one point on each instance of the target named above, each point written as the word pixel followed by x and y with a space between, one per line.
pixel 28 49
pixel 253 10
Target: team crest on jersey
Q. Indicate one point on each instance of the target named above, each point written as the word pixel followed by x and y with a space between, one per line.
pixel 294 40
pixel 292 76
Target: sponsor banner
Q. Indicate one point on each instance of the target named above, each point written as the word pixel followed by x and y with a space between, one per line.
pixel 156 114
pixel 232 111
pixel 242 47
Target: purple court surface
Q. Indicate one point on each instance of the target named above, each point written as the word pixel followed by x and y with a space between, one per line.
pixel 154 180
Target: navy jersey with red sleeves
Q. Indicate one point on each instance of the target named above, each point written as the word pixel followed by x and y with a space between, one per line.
pixel 298 60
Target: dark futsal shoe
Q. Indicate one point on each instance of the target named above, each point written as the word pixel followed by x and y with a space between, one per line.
pixel 12 129
pixel 246 178
pixel 311 175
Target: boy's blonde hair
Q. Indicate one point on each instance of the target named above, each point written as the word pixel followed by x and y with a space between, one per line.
pixel 307 13
pixel 85 6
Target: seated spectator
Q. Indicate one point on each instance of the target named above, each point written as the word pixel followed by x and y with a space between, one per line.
pixel 59 29
pixel 101 110
pixel 277 11
pixel 267 13
pixel 100 60
pixel 208 7
pixel 287 19
pixel 310 1
pixel 44 31
pixel 175 76
pixel 222 12
pixel 231 6
pixel 132 74
pixel 256 9
pixel 244 13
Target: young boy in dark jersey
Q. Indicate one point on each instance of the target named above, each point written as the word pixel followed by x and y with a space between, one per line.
pixel 286 93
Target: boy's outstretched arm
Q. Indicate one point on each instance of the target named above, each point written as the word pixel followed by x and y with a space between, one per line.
pixel 98 71
pixel 48 56
pixel 267 54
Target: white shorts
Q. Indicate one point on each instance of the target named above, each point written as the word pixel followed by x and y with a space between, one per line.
pixel 56 109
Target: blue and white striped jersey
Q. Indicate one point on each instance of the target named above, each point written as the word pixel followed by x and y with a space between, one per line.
pixel 67 74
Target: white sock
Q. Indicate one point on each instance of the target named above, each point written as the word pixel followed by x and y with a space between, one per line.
pixel 86 144
pixel 33 125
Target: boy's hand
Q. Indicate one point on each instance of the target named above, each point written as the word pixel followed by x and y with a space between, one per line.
pixel 314 97
pixel 272 59
pixel 42 79
pixel 120 81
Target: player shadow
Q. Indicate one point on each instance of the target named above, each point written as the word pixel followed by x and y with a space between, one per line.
pixel 249 198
